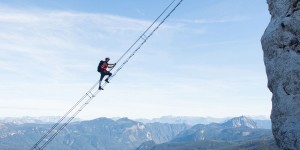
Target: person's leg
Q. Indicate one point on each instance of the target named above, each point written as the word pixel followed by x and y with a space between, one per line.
pixel 102 74
pixel 109 74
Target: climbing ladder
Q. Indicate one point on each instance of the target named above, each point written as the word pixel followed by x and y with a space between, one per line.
pixel 93 91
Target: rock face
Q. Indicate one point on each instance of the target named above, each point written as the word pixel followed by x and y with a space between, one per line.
pixel 281 47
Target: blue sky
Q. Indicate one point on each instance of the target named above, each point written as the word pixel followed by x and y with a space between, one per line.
pixel 206 59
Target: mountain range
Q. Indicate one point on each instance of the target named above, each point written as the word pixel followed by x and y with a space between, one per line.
pixel 37 120
pixel 261 121
pixel 126 134
pixel 236 133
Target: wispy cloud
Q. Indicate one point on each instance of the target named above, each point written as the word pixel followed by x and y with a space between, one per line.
pixel 140 12
pixel 225 19
pixel 40 47
pixel 210 44
pixel 44 53
pixel 54 41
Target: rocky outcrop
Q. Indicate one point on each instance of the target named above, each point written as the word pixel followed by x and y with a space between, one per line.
pixel 281 47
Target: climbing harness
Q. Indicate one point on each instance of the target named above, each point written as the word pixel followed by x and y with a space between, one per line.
pixel 93 92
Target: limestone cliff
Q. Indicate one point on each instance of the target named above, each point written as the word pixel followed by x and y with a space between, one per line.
pixel 281 48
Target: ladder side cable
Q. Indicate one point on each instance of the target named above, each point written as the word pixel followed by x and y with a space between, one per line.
pixel 62 118
pixel 144 40
pixel 76 104
pixel 69 120
pixel 143 34
pixel 90 94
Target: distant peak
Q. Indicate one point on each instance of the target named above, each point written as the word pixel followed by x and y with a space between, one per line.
pixel 241 121
pixel 125 120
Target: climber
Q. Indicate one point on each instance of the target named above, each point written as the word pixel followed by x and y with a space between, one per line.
pixel 103 65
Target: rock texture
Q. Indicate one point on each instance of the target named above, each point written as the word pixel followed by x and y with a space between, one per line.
pixel 281 47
